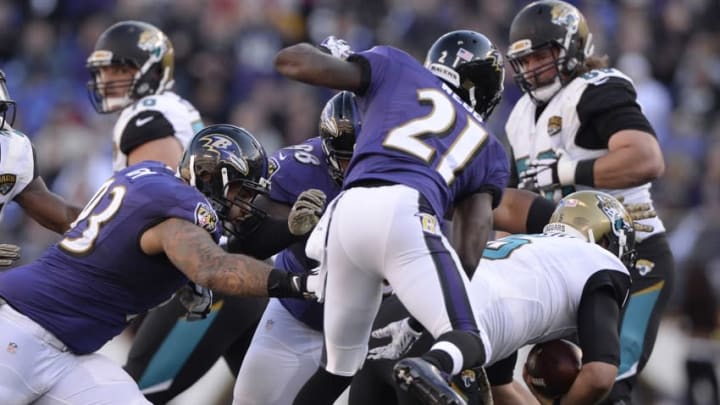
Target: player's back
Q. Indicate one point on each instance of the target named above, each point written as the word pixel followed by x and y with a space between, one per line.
pixel 527 288
pixel 86 288
pixel 418 132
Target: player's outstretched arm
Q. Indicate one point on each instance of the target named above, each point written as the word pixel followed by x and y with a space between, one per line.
pixel 306 63
pixel 472 223
pixel 47 208
pixel 521 211
pixel 193 251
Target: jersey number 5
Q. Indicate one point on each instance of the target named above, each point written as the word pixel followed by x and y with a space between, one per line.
pixel 441 120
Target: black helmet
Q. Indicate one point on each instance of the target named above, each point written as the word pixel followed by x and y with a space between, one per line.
pixel 7 105
pixel 469 63
pixel 219 156
pixel 339 125
pixel 542 25
pixel 138 45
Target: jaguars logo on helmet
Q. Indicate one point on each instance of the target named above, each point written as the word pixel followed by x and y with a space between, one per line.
pixel 598 218
pixel 548 24
pixel 130 44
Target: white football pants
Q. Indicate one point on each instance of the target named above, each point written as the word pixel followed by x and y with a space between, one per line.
pixel 36 367
pixel 378 233
pixel 283 355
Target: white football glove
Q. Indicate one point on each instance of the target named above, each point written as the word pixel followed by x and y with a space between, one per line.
pixel 546 174
pixel 8 254
pixel 336 47
pixel 403 336
pixel 306 211
pixel 196 299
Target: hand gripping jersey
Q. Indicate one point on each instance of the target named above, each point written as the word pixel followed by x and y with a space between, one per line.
pixel 559 126
pixel 527 288
pixel 296 169
pixel 150 118
pixel 17 165
pixel 418 132
pixel 87 287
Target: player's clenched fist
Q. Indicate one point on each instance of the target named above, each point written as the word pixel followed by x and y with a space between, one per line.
pixel 306 211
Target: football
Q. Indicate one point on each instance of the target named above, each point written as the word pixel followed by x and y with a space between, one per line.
pixel 552 367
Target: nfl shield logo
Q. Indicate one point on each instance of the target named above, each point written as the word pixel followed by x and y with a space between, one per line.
pixel 7 182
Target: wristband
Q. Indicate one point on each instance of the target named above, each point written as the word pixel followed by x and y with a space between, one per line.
pixel 541 209
pixel 584 172
pixel 567 171
pixel 278 284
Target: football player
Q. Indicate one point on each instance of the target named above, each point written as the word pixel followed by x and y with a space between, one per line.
pixel 423 149
pixel 286 348
pixel 20 181
pixel 131 71
pixel 142 236
pixel 579 126
pixel 530 289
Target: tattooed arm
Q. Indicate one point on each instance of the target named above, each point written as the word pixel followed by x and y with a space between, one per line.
pixel 192 250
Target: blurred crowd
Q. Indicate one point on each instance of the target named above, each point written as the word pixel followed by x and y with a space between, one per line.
pixel 224 51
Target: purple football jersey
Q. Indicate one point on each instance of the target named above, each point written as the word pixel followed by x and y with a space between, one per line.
pixel 296 169
pixel 418 132
pixel 86 288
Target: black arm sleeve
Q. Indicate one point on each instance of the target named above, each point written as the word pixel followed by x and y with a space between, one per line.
pixel 366 72
pixel 606 109
pixel 599 316
pixel 35 163
pixel 501 372
pixel 271 237
pixel 147 126
pixel 539 214
pixel 495 194
pixel 514 179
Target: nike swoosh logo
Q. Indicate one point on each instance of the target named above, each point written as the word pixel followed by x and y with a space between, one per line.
pixel 281 156
pixel 142 121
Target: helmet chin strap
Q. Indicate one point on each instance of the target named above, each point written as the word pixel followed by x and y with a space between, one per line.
pixel 112 103
pixel 545 93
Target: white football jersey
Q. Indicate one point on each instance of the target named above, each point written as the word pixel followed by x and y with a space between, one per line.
pixel 527 289
pixel 168 112
pixel 556 128
pixel 17 165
